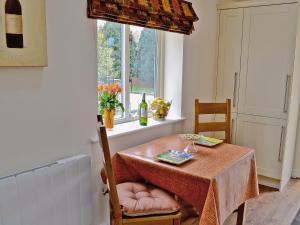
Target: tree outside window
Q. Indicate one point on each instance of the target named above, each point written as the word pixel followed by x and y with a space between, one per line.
pixel 142 62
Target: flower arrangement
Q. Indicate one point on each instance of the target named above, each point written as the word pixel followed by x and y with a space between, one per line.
pixel 109 102
pixel 160 108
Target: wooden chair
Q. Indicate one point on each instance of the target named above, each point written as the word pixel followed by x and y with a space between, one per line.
pixel 214 108
pixel 100 119
pixel 116 213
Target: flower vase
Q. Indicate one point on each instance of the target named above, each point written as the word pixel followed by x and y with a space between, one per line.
pixel 109 118
pixel 190 148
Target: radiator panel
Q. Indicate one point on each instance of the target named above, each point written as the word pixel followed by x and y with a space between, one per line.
pixel 59 194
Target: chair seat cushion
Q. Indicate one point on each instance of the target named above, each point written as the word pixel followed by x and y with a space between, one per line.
pixel 139 199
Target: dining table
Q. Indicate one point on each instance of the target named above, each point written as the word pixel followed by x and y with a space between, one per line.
pixel 217 181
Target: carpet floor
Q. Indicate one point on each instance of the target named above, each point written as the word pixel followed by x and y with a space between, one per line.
pixel 269 208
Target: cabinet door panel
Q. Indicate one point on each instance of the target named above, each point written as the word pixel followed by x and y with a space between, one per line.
pixel 266 136
pixel 230 47
pixel 267 59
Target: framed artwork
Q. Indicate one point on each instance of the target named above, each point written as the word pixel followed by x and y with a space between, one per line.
pixel 23 38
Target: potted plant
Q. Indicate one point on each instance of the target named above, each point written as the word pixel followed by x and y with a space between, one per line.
pixel 109 102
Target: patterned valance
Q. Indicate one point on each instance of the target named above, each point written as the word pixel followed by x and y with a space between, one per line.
pixel 168 15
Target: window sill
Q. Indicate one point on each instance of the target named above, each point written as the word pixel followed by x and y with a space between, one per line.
pixel 134 126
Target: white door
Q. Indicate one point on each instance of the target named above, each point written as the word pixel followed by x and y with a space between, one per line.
pixel 230 47
pixel 267 60
pixel 266 136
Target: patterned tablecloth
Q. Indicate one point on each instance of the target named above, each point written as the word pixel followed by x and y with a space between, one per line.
pixel 216 181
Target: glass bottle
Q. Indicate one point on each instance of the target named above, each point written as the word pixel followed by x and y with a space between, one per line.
pixel 143 111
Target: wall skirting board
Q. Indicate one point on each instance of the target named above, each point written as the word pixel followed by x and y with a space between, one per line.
pixel 296 173
pixel 270 182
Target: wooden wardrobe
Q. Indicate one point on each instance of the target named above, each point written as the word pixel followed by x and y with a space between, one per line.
pixel 255 70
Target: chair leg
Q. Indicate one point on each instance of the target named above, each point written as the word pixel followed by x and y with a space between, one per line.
pixel 241 214
pixel 110 214
pixel 176 221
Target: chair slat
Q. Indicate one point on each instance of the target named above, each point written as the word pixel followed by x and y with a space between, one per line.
pixel 214 126
pixel 212 108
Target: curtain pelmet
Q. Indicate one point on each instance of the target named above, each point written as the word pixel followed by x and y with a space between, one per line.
pixel 168 15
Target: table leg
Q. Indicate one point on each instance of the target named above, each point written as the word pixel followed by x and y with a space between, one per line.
pixel 241 214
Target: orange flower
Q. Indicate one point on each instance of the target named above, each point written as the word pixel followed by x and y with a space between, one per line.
pixel 100 88
pixel 105 88
pixel 116 88
pixel 119 88
pixel 110 88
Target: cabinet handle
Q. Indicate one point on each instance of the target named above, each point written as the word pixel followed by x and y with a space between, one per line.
pixel 231 133
pixel 286 96
pixel 234 88
pixel 280 154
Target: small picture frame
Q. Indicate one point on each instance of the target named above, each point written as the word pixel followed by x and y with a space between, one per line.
pixel 23 38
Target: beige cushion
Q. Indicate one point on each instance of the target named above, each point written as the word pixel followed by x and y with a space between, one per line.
pixel 139 199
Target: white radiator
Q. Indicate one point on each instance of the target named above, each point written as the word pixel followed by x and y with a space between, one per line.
pixel 58 194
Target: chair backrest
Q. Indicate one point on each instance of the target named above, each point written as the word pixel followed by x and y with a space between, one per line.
pixel 111 181
pixel 214 108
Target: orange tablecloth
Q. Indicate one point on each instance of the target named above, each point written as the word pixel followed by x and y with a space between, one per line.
pixel 217 181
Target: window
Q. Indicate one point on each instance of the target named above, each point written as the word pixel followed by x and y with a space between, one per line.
pixel 129 56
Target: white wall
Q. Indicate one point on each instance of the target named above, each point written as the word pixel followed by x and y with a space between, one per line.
pixel 49 113
pixel 173 64
pixel 200 60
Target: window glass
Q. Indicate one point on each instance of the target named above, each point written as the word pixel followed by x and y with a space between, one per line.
pixel 140 68
pixel 110 54
pixel 143 61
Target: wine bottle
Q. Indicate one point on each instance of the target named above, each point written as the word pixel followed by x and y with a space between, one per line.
pixel 143 111
pixel 13 24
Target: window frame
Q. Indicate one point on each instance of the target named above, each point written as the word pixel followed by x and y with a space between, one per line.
pixel 125 71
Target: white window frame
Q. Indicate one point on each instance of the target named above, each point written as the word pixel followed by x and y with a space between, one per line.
pixel 159 82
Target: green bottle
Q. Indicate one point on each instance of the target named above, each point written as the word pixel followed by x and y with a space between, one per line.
pixel 143 111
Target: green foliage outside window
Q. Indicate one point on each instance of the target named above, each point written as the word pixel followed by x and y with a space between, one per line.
pixel 142 56
pixel 109 52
